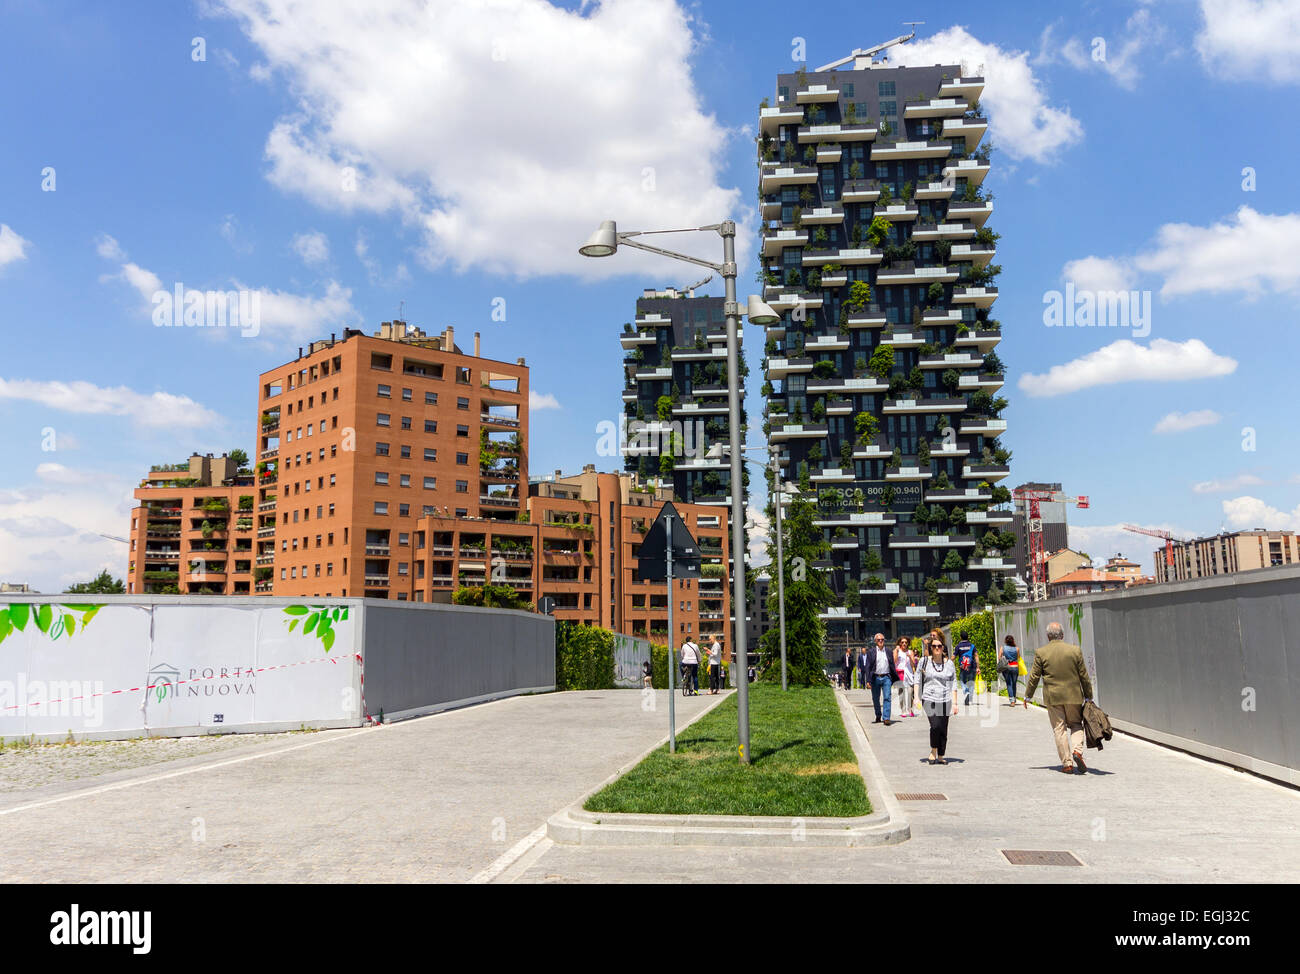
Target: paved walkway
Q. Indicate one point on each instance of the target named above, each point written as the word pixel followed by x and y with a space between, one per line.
pixel 440 798
pixel 1143 814
pixel 464 795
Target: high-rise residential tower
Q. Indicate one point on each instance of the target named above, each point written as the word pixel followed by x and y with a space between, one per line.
pixel 882 379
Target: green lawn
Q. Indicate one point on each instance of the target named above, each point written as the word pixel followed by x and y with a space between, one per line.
pixel 801 763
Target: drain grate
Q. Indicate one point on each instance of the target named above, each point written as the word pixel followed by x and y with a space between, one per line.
pixel 920 796
pixel 1027 857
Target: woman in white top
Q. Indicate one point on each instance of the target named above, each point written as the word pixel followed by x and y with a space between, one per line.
pixel 715 666
pixel 907 674
pixel 938 681
pixel 691 660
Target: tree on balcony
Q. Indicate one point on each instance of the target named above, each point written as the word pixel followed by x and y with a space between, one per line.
pixel 866 426
pixel 810 155
pixel 993 364
pixel 880 228
pixel 806 196
pixel 788 152
pixel 953 562
pixel 793 278
pixel 882 361
pixel 855 168
pixel 807 595
pixel 923 452
pixel 851 118
pixel 846 455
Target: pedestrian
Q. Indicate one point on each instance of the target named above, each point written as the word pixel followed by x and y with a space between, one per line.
pixel 647 673
pixel 906 677
pixel 880 671
pixel 968 664
pixel 846 669
pixel 691 660
pixel 715 666
pixel 1009 661
pixel 1065 687
pixel 937 681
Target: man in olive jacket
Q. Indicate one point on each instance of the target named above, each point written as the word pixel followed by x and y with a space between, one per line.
pixel 1065 687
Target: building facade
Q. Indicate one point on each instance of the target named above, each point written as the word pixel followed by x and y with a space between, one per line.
pixel 882 378
pixel 1224 554
pixel 193 532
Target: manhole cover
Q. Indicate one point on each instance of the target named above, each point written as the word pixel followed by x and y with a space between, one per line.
pixel 920 796
pixel 1025 857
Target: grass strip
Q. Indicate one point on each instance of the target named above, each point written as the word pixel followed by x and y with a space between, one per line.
pixel 801 763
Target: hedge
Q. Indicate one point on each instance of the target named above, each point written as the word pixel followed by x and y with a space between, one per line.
pixel 979 628
pixel 584 657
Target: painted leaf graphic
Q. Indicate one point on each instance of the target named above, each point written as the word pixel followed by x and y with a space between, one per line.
pixel 69 624
pixel 293 625
pixel 310 624
pixel 295 610
pixel 79 607
pixel 18 613
pixel 6 627
pixel 328 640
pixel 44 615
pixel 344 617
pixel 90 614
pixel 335 615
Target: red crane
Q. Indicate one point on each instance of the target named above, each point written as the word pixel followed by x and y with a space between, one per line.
pixel 1157 533
pixel 1034 533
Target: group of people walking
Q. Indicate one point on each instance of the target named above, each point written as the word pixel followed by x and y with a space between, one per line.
pixel 944 682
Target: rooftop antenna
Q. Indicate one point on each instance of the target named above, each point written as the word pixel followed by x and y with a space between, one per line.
pixel 401 310
pixel 869 51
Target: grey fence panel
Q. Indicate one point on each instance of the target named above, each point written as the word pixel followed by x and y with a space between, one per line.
pixel 423 657
pixel 1186 661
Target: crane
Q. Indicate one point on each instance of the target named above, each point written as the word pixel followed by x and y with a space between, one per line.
pixel 1157 533
pixel 868 52
pixel 1033 498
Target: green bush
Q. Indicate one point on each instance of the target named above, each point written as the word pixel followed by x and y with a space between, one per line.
pixel 979 629
pixel 584 657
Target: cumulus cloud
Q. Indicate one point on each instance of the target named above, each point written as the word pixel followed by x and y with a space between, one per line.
pixel 12 247
pixel 759 534
pixel 1119 55
pixel 542 400
pixel 1243 513
pixel 561 117
pixel 108 248
pixel 1021 121
pixel 1251 39
pixel 1127 361
pixel 1251 252
pixel 57 473
pixel 1099 274
pixel 1223 486
pixel 1176 422
pixel 312 248
pixel 155 410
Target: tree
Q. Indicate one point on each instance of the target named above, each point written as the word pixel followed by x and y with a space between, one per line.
pixel 880 228
pixel 807 595
pixel 239 457
pixel 664 408
pixel 866 425
pixel 882 361
pixel 954 562
pixel 102 584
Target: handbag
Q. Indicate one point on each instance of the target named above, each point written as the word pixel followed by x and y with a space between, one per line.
pixel 1020 666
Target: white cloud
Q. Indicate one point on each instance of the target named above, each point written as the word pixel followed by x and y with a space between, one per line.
pixel 1119 57
pixel 1126 361
pixel 1251 252
pixel 759 535
pixel 12 247
pixel 57 473
pixel 1176 422
pixel 561 118
pixel 1250 39
pixel 108 248
pixel 1223 486
pixel 1244 513
pixel 542 400
pixel 1021 122
pixel 374 271
pixel 157 409
pixel 1101 541
pixel 313 247
pixel 1099 274
pixel 232 234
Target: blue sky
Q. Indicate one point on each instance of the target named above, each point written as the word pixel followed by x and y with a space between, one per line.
pixel 484 144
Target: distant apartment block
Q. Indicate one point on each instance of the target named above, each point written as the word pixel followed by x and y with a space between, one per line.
pixel 1224 554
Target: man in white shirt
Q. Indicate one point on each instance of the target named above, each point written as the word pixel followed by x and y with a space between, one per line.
pixel 715 666
pixel 691 660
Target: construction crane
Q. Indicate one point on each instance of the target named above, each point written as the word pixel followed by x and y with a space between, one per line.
pixel 1157 533
pixel 1034 533
pixel 869 51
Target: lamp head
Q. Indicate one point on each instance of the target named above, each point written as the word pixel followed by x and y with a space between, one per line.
pixel 602 243
pixel 759 313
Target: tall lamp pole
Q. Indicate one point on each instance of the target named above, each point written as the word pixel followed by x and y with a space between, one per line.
pixel 605 243
pixel 780 560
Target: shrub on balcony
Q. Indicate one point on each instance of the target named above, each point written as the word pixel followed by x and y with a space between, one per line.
pixel 824 368
pixel 855 170
pixel 793 278
pixel 866 425
pixel 880 228
pixel 871 560
pixel 875 582
pixel 846 455
pixel 819 410
pixel 882 361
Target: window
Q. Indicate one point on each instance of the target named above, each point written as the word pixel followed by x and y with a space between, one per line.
pixel 462 486
pixel 430 483
pixel 381 449
pixel 383 419
pixel 431 455
pixel 404 480
pixel 406 453
pixel 404 510
pixel 331 510
pixel 386 392
pixel 331 480
pixel 381 507
pixel 462 459
pixel 381 477
pixel 406 422
pixel 431 426
pixel 462 402
pixel 848 89
pixel 887 90
pixel 889 107
pixel 431 399
pixel 406 395
pixel 402 568
pixel 462 431
pixel 404 538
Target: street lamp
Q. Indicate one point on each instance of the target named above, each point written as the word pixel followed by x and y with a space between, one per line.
pixel 605 243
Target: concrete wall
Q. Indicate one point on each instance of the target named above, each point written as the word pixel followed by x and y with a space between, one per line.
pixel 1211 666
pixel 421 658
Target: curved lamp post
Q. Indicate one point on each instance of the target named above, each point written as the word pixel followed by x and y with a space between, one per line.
pixel 605 243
